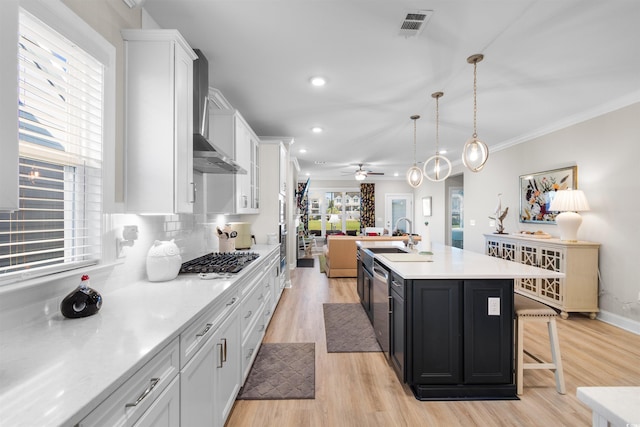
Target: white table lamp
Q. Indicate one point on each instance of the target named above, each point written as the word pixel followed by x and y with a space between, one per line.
pixel 569 203
pixel 333 220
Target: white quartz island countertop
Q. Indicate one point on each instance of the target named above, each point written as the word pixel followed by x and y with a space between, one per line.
pixel 448 262
pixel 53 369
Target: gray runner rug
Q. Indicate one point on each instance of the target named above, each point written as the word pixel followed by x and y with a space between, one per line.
pixel 282 371
pixel 348 329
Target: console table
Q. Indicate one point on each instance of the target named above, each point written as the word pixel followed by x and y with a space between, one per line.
pixel 576 292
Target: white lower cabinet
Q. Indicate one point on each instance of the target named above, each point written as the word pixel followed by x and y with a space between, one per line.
pixel 210 381
pixel 137 401
pixel 227 381
pixel 195 379
pixel 165 410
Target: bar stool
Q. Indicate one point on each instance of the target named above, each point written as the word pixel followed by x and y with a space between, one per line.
pixel 528 310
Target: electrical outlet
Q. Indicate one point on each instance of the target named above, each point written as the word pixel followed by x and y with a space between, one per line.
pixel 492 223
pixel 472 222
pixel 130 232
pixel 494 306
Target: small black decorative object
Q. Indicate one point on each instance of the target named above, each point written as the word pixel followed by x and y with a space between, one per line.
pixel 82 302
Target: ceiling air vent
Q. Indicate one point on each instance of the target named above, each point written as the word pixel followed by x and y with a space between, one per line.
pixel 414 22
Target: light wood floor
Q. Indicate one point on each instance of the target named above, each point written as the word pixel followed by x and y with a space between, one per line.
pixel 361 389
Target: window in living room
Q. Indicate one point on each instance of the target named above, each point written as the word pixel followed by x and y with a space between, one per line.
pixel 334 211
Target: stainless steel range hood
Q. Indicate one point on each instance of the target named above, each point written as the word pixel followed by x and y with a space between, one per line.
pixel 207 157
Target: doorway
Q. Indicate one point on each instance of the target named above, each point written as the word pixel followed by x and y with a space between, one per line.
pixel 398 206
pixel 455 211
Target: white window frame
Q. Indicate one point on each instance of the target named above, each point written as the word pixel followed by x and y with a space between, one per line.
pixel 63 20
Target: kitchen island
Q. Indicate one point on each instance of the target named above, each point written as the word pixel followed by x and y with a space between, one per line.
pixel 445 320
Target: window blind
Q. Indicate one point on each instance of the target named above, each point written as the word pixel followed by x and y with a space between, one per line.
pixel 58 223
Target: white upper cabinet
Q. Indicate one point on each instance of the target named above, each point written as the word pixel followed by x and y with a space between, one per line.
pixel 237 193
pixel 159 122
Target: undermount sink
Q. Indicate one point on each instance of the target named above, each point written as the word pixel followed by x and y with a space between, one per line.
pixel 386 250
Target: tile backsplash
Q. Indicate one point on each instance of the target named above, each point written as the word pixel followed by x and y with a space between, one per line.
pixel 194 234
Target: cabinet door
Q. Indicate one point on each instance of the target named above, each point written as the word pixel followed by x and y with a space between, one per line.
pixel 159 122
pixel 551 259
pixel 184 186
pixel 436 332
pixel 367 286
pixel 255 174
pixel 488 331
pixel 397 335
pixel 197 406
pixel 165 411
pixel 360 281
pixel 528 254
pixel 228 359
pixel 283 169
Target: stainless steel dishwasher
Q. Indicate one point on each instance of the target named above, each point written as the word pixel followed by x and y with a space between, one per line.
pixel 380 305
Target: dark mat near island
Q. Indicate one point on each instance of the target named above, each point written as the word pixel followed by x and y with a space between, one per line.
pixel 282 371
pixel 305 262
pixel 348 329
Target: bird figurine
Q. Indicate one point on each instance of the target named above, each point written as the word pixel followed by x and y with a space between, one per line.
pixel 500 215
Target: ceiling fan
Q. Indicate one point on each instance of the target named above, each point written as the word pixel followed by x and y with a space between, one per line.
pixel 361 174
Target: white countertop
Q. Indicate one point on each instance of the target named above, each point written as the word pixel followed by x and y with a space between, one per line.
pixel 620 406
pixel 53 369
pixel 453 263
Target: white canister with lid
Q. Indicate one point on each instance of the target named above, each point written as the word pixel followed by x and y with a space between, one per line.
pixel 163 261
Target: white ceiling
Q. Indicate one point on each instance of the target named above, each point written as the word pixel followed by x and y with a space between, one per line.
pixel 547 64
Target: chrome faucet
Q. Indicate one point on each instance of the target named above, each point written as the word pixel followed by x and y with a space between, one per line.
pixel 411 242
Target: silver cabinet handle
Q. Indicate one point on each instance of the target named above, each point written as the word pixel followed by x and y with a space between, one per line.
pixel 192 193
pixel 260 297
pixel 396 284
pixel 233 301
pixel 250 353
pixel 205 330
pixel 154 382
pixel 248 314
pixel 261 328
pixel 220 356
pixel 224 353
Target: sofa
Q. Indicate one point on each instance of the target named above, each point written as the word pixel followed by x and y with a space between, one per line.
pixel 341 253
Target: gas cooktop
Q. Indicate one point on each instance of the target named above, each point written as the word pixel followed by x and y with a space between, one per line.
pixel 219 262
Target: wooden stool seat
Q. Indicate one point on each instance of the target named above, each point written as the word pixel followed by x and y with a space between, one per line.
pixel 529 310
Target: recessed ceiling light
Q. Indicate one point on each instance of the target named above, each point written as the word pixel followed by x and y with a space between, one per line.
pixel 396 174
pixel 442 151
pixel 302 150
pixel 316 129
pixel 307 174
pixel 318 81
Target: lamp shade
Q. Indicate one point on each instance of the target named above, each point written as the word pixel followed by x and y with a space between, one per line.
pixel 568 203
pixel 334 219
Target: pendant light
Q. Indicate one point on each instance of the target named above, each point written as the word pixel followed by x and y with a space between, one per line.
pixel 475 152
pixel 414 174
pixel 437 168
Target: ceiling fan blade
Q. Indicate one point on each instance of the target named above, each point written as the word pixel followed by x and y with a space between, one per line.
pixel 375 173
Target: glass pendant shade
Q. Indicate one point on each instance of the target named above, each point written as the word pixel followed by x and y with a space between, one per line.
pixel 437 168
pixel 475 154
pixel 414 176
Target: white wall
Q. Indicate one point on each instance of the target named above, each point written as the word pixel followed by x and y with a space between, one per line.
pixel 606 150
